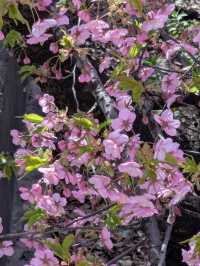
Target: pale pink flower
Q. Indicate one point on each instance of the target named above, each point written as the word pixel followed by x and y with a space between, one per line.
pixel 131 168
pixel 101 183
pixel 43 4
pixel 6 248
pixel 191 256
pixel 80 34
pixel 62 18
pixel 169 85
pixel 17 138
pixel 116 36
pixel 124 121
pixel 197 38
pixel 165 146
pixel 167 123
pixel 47 103
pixel 106 238
pixel 27 60
pixel 105 63
pixel 157 20
pixel 84 15
pixel 54 47
pixel 1 36
pixel 77 3
pixel 32 195
pixel 41 39
pixel 114 145
pixel 44 257
pixel 146 73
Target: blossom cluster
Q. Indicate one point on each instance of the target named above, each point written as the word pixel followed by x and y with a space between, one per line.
pixel 79 160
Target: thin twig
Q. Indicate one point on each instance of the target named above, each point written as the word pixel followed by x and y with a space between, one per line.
pixel 64 230
pixel 74 90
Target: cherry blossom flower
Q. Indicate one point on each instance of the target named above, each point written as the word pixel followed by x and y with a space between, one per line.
pixel 165 146
pixel 124 121
pixel 43 4
pixel 106 238
pixel 17 138
pixel 104 64
pixel 145 73
pixel 157 20
pixel 43 257
pixel 47 103
pixel 114 145
pixel 1 36
pixel 84 15
pixel 170 84
pixel 26 60
pixel 197 38
pixel 6 248
pixel 100 183
pixel 62 18
pixel 54 47
pixel 80 34
pixel 52 205
pixel 166 121
pixel 77 3
pixel 191 256
pixel 115 36
pixel 131 168
pixel 32 195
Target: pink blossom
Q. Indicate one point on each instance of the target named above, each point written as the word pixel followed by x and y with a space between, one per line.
pixel 43 4
pixel 85 75
pixel 191 256
pixel 165 146
pixel 47 103
pixel 124 121
pixel 50 175
pixel 145 73
pixel 138 206
pixel 100 183
pixel 1 36
pixel 62 18
pixel 131 168
pixel 133 145
pixel 115 36
pixel 27 60
pixel 32 195
pixel 97 29
pixel 41 39
pixel 43 257
pixel 6 248
pixel 17 138
pixel 157 20
pixel 114 145
pixel 54 47
pixel 170 83
pixel 80 34
pixel 52 205
pixel 197 38
pixel 167 123
pixel 77 3
pixel 106 238
pixel 1 226
pixel 84 15
pixel 104 64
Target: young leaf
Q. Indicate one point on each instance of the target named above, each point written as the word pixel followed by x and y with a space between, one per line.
pixel 67 242
pixel 13 38
pixel 33 118
pixel 34 162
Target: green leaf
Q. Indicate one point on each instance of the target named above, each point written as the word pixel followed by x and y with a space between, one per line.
pixel 83 263
pixel 15 14
pixel 135 50
pixel 34 215
pixel 171 159
pixel 84 122
pixel 112 219
pixel 13 38
pixel 34 162
pixel 190 167
pixel 105 124
pixel 57 249
pixel 33 118
pixel 135 86
pixel 85 149
pixel 67 242
pixel 137 4
pixel 26 71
